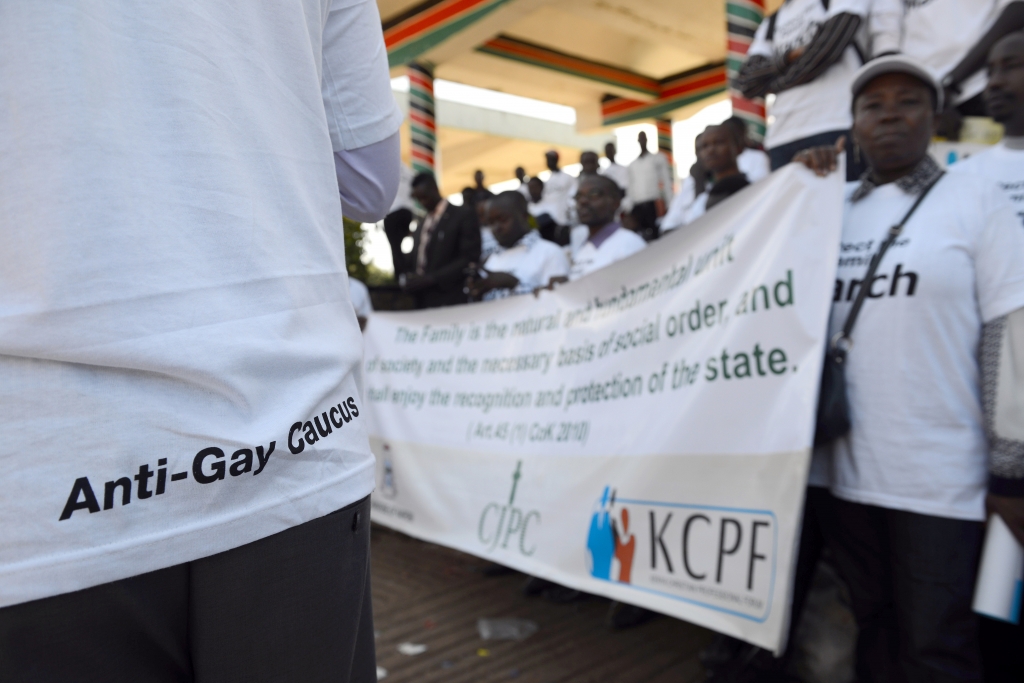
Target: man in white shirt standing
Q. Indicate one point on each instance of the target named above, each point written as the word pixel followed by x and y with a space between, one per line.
pixel 174 307
pixel 1004 98
pixel 615 170
pixel 806 54
pixel 523 262
pixel 650 189
pixel 953 38
pixel 558 189
pixel 524 188
pixel 597 201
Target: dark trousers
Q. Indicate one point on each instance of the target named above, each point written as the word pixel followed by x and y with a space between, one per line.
pixel 1002 651
pixel 294 606
pixel 646 216
pixel 783 154
pixel 911 580
pixel 396 227
pixel 815 533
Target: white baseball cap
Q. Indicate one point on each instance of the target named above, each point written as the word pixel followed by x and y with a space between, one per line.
pixel 896 64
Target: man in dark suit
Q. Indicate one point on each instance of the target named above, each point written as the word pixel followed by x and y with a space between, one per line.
pixel 445 243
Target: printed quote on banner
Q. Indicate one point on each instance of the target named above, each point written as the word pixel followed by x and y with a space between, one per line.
pixel 643 433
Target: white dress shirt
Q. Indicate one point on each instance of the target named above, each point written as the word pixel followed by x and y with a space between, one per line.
pixel 533 260
pixel 650 178
pixel 558 191
pixel 612 243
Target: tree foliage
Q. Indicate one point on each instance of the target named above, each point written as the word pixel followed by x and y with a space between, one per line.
pixel 355 257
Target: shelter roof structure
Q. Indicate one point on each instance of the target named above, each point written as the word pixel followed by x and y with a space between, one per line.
pixel 613 61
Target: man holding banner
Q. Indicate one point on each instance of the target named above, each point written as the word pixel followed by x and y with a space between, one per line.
pixel 597 201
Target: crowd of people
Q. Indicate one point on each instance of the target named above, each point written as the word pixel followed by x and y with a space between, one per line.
pixel 596 218
pixel 171 281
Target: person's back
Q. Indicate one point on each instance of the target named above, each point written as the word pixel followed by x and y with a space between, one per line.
pixel 173 292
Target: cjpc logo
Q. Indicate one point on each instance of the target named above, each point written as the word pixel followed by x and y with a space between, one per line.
pixel 504 524
pixel 717 557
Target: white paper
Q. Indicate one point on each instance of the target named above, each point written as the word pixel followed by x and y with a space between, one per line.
pixel 1001 575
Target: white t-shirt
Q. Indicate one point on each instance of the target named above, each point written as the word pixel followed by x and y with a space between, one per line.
pixel 1002 165
pixel 917 442
pixel 173 291
pixel 618 173
pixel 360 296
pixel 754 164
pixel 939 33
pixel 617 246
pixel 650 178
pixel 675 217
pixel 488 245
pixel 533 261
pixel 577 237
pixel 697 209
pixel 822 105
pixel 558 191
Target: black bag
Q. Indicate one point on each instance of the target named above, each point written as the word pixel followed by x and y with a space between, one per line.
pixel 833 420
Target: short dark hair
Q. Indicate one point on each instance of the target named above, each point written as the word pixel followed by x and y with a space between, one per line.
pixel 606 181
pixel 511 198
pixel 424 177
pixel 736 122
pixel 739 128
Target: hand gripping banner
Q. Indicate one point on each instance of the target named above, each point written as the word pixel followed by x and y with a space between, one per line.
pixel 643 433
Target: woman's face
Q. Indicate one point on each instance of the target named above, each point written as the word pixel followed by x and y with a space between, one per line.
pixel 893 122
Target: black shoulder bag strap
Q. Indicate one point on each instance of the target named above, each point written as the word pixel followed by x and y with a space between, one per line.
pixel 833 418
pixel 865 286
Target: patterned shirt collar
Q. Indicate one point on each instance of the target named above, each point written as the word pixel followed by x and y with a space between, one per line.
pixel 913 183
pixel 526 242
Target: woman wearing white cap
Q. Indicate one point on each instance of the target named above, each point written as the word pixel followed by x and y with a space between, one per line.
pixel 910 478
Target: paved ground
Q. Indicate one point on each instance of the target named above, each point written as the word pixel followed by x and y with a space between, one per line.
pixel 428 595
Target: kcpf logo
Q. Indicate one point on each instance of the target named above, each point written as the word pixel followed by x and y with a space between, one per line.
pixel 610 543
pixel 722 558
pixel 507 523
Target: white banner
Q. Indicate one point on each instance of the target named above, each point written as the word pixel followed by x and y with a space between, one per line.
pixel 643 433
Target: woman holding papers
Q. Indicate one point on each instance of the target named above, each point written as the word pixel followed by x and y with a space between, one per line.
pixel 910 478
